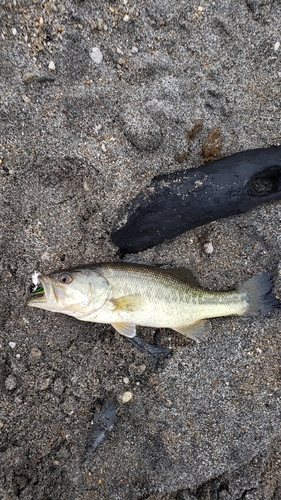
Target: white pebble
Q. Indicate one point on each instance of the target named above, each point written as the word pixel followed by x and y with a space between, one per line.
pixel 44 384
pixel 134 50
pixel 14 31
pixel 127 396
pixel 35 353
pixel 98 127
pixel 103 147
pixel 28 77
pixel 10 383
pixel 12 345
pixel 126 380
pixel 276 46
pixel 52 66
pixel 86 186
pixel 25 98
pixel 100 23
pixel 208 247
pixel 126 18
pixel 18 356
pixel 96 55
pixel 45 256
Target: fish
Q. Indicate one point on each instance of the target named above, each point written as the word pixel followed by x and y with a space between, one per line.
pixel 179 201
pixel 127 294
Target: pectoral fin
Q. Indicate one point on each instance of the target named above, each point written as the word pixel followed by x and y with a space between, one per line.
pixel 194 331
pixel 126 329
pixel 127 303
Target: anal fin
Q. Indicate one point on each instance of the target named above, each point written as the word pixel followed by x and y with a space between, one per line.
pixel 195 331
pixel 126 329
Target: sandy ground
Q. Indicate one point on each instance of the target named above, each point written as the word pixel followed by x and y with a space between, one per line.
pixel 97 97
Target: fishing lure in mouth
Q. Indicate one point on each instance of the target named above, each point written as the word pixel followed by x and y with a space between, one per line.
pixel 183 200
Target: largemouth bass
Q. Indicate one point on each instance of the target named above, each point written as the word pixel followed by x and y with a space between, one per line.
pixel 128 294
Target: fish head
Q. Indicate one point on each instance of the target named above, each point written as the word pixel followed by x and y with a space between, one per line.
pixel 77 292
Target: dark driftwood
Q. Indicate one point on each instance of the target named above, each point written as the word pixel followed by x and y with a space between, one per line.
pixel 182 200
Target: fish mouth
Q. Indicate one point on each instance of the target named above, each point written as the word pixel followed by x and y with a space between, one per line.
pixel 37 295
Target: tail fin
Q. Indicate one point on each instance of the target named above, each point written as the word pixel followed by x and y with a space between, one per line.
pixel 259 295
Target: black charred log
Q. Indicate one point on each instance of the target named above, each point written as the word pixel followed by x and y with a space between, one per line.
pixel 183 200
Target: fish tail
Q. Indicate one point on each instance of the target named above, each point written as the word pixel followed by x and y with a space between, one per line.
pixel 258 291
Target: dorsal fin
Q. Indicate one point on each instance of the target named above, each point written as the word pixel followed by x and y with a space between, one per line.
pixel 184 275
pixel 134 259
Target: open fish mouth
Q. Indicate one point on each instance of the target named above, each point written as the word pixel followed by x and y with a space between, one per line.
pixel 37 291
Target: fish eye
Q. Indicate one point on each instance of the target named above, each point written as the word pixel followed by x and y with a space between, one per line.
pixel 65 278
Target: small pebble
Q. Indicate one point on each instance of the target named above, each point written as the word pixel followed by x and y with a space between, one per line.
pixel 134 50
pixel 98 127
pixel 45 256
pixel 126 18
pixel 100 24
pixel 96 55
pixel 276 46
pixel 12 345
pixel 14 31
pixel 208 247
pixel 103 147
pixel 44 384
pixel 28 77
pixel 52 66
pixel 25 98
pixel 1 425
pixel 127 396
pixel 126 380
pixel 18 356
pixel 122 61
pixel 93 25
pixel 35 353
pixel 86 186
pixel 58 386
pixel 10 383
